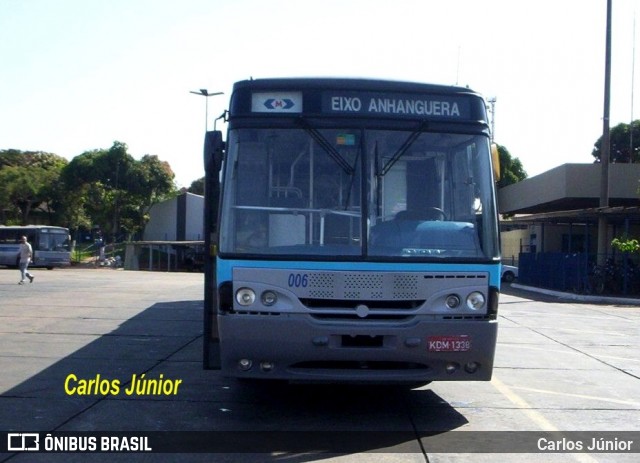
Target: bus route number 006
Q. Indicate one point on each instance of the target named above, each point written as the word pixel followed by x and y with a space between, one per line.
pixel 298 280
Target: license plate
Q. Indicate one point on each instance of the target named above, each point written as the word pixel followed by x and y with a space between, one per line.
pixel 457 343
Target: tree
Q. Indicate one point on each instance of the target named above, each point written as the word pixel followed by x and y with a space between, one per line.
pixel 511 169
pixel 621 137
pixel 17 158
pixel 197 187
pixel 114 189
pixel 90 181
pixel 29 180
pixel 150 181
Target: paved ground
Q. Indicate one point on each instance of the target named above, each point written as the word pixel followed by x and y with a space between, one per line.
pixel 561 366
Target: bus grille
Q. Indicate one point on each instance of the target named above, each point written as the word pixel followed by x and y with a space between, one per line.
pixel 371 286
pixel 325 285
pixel 377 310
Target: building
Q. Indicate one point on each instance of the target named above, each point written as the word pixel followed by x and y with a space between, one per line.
pixel 177 219
pixel 555 214
pixel 558 211
pixel 173 239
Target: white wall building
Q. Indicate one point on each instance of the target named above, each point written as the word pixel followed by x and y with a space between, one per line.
pixel 177 219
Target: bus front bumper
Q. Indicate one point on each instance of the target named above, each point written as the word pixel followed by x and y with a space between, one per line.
pixel 296 348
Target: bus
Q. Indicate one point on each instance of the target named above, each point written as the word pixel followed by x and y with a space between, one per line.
pixel 51 245
pixel 352 233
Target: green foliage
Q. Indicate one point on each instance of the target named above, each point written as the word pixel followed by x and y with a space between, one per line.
pixel 626 245
pixel 197 187
pixel 17 158
pixel 511 169
pixel 621 137
pixel 114 189
pixel 29 179
pixel 107 188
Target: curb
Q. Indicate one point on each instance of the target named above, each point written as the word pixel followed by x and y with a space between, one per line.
pixel 578 297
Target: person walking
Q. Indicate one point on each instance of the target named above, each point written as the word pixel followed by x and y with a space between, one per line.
pixel 26 253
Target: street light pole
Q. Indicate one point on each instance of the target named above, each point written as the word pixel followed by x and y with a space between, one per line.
pixel 605 146
pixel 205 93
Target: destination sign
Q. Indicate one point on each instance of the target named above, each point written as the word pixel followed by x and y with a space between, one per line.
pixel 396 105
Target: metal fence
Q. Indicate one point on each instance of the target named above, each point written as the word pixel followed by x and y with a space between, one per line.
pixel 164 255
pixel 580 273
pixel 110 255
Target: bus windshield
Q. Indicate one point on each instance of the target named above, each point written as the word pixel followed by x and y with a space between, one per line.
pixel 53 240
pixel 358 193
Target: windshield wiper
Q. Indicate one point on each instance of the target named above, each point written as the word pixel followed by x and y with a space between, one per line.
pixel 403 148
pixel 328 147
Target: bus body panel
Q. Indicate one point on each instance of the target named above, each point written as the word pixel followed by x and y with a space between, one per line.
pixel 51 259
pixel 9 254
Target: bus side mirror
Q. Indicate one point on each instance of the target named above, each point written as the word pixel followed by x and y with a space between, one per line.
pixel 213 157
pixel 495 160
pixel 213 152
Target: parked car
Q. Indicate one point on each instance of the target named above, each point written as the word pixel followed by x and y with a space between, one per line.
pixel 509 273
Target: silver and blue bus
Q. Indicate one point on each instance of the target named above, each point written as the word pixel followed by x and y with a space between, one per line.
pixel 352 233
pixel 51 245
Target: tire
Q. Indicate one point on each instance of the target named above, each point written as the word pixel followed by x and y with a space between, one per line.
pixel 508 277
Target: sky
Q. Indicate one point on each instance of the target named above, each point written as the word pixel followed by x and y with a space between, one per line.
pixel 77 75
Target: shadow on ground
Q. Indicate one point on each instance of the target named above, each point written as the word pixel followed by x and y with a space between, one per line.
pixel 282 422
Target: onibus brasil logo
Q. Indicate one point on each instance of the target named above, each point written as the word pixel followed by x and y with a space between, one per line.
pixel 23 442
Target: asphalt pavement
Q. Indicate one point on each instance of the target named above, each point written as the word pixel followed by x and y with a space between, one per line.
pixel 87 352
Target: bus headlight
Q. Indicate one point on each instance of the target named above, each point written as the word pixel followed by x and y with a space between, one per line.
pixel 245 364
pixel 269 298
pixel 245 296
pixel 452 301
pixel 475 300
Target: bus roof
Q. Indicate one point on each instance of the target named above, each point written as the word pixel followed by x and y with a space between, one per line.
pixel 350 97
pixel 347 83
